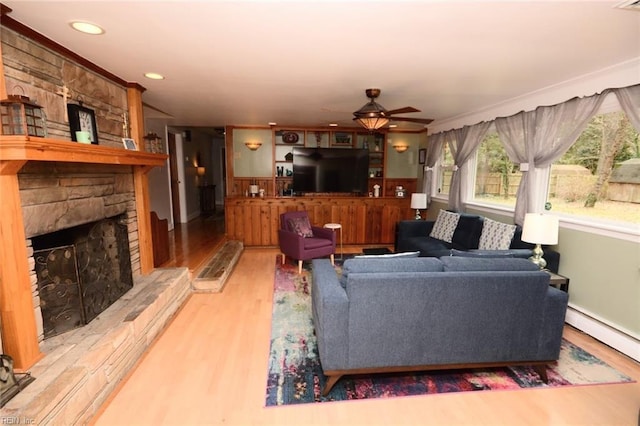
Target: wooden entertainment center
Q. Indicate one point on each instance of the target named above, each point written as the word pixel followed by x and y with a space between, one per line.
pixel 364 220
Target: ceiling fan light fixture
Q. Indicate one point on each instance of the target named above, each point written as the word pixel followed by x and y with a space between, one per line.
pixel 372 123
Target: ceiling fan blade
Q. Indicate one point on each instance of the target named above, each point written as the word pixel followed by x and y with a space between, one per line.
pixel 403 110
pixel 412 120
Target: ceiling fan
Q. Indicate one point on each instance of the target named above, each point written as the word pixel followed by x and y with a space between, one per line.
pixel 372 115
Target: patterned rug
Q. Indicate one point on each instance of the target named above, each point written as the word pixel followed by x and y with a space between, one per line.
pixel 295 374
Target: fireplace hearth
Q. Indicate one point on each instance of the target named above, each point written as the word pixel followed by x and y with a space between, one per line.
pixel 80 272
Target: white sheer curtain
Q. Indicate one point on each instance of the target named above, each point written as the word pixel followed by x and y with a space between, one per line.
pixel 537 138
pixel 463 143
pixel 629 98
pixel 434 148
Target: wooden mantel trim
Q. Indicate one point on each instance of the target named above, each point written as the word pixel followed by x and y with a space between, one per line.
pixel 31 148
pixel 19 331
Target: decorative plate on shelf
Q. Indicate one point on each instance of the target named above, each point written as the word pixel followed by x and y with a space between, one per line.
pixel 290 137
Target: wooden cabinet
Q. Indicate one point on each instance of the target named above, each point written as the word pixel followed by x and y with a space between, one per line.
pixel 364 220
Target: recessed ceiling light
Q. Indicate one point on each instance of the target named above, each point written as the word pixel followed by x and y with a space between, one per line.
pixel 333 125
pixel 391 126
pixel 154 76
pixel 272 123
pixel 86 27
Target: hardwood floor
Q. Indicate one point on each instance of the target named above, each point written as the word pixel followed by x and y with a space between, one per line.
pixel 210 367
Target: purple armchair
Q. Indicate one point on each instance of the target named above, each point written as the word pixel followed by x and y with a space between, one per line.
pixel 318 242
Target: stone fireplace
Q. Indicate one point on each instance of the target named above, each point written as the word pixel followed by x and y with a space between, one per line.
pixel 49 186
pixel 70 211
pixel 81 271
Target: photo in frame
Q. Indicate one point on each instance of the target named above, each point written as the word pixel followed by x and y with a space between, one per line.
pixel 82 119
pixel 130 144
pixel 422 156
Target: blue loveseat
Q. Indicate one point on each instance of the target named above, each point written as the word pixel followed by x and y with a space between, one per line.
pixel 414 235
pixel 413 314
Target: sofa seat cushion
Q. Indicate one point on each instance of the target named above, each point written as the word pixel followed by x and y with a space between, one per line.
pixel 427 245
pixel 445 226
pixel 455 263
pixel 496 235
pixel 373 265
pixel 314 242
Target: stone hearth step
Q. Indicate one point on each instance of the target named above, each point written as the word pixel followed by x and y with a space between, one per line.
pixel 82 367
pixel 214 274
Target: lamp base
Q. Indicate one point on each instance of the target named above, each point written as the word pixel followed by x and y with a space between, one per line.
pixel 537 257
pixel 418 217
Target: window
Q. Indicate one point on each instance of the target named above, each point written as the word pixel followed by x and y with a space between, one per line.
pixel 598 177
pixel 445 170
pixel 497 178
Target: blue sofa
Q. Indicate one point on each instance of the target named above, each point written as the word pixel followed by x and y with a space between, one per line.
pixel 414 314
pixel 413 235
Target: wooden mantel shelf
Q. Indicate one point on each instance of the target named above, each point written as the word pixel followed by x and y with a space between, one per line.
pixel 17 150
pixel 17 319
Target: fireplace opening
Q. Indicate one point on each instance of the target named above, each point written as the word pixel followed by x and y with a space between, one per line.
pixel 81 271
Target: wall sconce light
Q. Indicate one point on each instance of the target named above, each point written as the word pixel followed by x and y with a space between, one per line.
pixel 201 171
pixel 253 145
pixel 400 147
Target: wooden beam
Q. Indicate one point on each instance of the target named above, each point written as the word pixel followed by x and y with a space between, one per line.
pixel 136 114
pixel 145 242
pixel 141 179
pixel 19 330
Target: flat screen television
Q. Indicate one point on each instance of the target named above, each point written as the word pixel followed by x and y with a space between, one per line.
pixel 330 170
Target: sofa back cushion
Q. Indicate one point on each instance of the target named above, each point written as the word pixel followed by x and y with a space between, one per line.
pixel 468 231
pixel 485 254
pixel 411 264
pixel 455 263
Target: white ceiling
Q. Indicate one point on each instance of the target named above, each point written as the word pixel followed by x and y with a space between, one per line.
pixel 309 62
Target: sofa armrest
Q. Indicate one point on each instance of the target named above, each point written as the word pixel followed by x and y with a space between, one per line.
pixel 411 228
pixel 290 243
pixel 330 308
pixel 553 317
pixel 325 233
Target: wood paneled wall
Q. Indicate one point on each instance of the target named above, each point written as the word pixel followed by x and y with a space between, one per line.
pixel 364 220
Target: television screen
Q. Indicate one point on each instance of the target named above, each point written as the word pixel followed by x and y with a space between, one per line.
pixel 330 170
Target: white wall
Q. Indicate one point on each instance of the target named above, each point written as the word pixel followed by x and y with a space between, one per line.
pixel 159 177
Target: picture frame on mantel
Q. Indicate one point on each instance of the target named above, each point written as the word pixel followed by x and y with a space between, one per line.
pixel 82 119
pixel 129 144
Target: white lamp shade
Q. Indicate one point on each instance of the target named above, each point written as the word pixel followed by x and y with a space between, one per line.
pixel 540 228
pixel 418 200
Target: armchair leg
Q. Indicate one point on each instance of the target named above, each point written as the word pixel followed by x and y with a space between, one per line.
pixel 332 260
pixel 299 266
pixel 283 258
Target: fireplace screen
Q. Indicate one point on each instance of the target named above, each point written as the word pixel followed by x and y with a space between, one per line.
pixel 81 271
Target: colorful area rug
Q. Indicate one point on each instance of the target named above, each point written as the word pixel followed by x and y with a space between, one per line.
pixel 295 374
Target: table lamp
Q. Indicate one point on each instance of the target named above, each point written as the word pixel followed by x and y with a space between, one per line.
pixel 418 201
pixel 540 229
